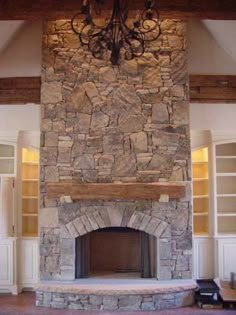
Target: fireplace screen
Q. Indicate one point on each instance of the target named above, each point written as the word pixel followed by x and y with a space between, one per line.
pixel 116 252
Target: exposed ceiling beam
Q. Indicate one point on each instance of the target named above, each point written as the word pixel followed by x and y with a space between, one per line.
pixel 203 89
pixel 60 9
pixel 20 90
pixel 213 88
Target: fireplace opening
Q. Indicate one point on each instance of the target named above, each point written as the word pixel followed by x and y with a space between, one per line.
pixel 116 252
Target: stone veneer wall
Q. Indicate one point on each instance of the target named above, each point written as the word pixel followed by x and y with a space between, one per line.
pixel 103 123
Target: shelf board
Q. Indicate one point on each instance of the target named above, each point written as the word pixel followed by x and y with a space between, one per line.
pixel 199 179
pixel 199 214
pixel 30 234
pixel 226 174
pixel 200 196
pixel 29 214
pixel 228 214
pixel 29 197
pixel 7 158
pixel 199 162
pixel 30 180
pixel 226 195
pixel 226 156
pixel 30 163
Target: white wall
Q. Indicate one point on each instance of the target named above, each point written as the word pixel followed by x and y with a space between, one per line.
pixel 215 117
pixel 19 117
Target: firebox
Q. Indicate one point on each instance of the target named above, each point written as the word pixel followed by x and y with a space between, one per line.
pixel 116 252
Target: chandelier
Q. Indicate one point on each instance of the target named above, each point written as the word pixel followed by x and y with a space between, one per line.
pixel 117 39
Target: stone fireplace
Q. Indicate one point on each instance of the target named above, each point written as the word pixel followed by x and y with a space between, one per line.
pixel 114 124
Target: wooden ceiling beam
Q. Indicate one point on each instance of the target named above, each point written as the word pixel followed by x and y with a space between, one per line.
pixel 20 90
pixel 203 89
pixel 213 88
pixel 64 9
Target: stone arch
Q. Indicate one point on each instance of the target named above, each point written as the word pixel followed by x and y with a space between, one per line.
pixel 102 218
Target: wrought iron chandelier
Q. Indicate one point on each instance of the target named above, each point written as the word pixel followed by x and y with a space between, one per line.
pixel 117 39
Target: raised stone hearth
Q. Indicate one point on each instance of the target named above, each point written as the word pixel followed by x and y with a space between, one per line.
pixel 115 295
pixel 112 125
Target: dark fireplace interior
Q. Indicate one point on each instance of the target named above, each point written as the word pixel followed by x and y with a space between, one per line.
pixel 116 252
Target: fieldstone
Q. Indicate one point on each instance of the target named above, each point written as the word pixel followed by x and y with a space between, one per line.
pixel 59 125
pixel 113 144
pixel 126 99
pixel 182 263
pixel 52 264
pixel 48 217
pixel 139 141
pixel 107 75
pixel 78 148
pixel 175 42
pixel 181 112
pixel 95 299
pixel 161 138
pixel 165 250
pixel 152 78
pixel 82 123
pixel 84 162
pixel 99 120
pixel 64 156
pixel 130 67
pixel 183 299
pixel 48 156
pixel 115 216
pixel 80 100
pixel 46 124
pixel 125 165
pixel 90 89
pixel 51 174
pixel 165 273
pixel 51 139
pixel 51 92
pixel 129 303
pixel 131 123
pixel 160 113
pixel 106 161
pixel 148 306
pixel 177 91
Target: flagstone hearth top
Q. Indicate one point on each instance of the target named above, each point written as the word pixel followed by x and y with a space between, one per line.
pixel 116 286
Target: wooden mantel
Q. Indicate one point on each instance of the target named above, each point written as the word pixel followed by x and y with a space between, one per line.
pixel 111 191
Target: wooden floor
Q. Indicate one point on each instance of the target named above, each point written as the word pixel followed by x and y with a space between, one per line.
pixel 24 304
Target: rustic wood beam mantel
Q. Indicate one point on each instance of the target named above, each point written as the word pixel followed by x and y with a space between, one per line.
pixel 20 90
pixel 111 191
pixel 213 88
pixel 61 9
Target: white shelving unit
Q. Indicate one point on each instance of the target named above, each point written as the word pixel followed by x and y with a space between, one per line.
pixel 225 156
pixel 7 160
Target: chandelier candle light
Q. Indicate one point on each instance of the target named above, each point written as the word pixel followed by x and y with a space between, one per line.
pixel 117 37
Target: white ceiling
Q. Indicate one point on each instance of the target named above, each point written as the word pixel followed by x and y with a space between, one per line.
pixel 224 33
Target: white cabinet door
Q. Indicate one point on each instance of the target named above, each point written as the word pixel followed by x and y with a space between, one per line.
pixel 29 262
pixel 6 262
pixel 226 257
pixel 203 258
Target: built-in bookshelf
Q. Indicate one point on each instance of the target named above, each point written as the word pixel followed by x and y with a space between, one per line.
pixel 30 192
pixel 226 188
pixel 200 176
